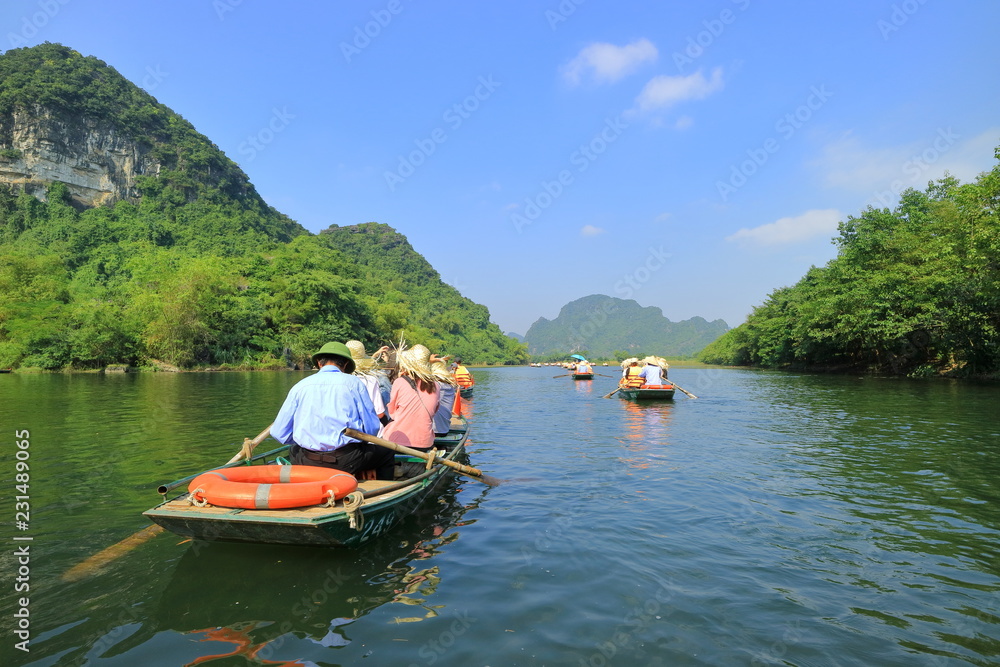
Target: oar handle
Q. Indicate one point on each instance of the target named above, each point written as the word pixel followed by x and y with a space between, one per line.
pixel 246 451
pixel 403 449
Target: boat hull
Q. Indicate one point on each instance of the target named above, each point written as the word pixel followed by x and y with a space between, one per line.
pixel 659 394
pixel 465 392
pixel 583 376
pixel 383 508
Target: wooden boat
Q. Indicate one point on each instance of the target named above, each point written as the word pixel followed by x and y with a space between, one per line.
pixel 341 525
pixel 583 376
pixel 466 391
pixel 649 392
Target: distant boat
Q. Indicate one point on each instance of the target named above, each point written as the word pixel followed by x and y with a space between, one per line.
pixel 583 376
pixel 465 392
pixel 649 392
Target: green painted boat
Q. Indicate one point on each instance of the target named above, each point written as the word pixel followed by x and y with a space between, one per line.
pixel 385 504
pixel 466 391
pixel 583 376
pixel 660 392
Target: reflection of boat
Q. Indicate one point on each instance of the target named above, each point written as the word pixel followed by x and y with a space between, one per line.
pixel 649 392
pixel 583 376
pixel 307 596
pixel 342 524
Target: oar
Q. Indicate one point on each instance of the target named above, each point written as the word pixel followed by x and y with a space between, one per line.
pixel 246 451
pixel 474 473
pixel 677 386
pixel 611 394
pixel 603 375
pixel 561 376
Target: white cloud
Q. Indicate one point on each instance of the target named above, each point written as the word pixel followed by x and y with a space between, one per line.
pixel 665 91
pixel 683 123
pixel 796 229
pixel 847 163
pixel 607 63
pixel 590 230
pixel 663 217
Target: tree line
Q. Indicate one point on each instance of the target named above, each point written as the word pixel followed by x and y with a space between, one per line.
pixel 912 291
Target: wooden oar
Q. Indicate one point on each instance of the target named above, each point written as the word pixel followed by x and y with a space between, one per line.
pixel 677 386
pixel 105 556
pixel 101 558
pixel 561 376
pixel 246 451
pixel 612 393
pixel 474 473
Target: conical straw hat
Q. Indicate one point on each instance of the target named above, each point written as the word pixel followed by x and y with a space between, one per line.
pixel 416 362
pixel 441 373
pixel 362 361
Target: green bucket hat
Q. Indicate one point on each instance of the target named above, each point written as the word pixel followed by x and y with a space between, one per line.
pixel 339 350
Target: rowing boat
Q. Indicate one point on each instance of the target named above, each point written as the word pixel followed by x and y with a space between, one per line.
pixel 583 376
pixel 465 391
pixel 383 504
pixel 649 392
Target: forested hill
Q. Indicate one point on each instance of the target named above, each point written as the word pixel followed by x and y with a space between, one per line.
pixel 126 237
pixel 602 326
pixel 912 291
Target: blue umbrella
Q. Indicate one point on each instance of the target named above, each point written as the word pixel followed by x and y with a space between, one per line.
pixel 577 356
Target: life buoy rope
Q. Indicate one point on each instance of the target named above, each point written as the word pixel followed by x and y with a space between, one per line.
pixel 271 487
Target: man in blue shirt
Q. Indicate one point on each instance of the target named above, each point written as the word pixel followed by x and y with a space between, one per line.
pixel 319 408
pixel 651 373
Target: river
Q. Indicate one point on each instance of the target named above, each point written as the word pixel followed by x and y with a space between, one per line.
pixel 777 519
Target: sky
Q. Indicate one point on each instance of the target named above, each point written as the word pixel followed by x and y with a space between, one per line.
pixel 693 156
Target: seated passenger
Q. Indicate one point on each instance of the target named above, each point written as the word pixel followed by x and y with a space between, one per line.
pixel 414 400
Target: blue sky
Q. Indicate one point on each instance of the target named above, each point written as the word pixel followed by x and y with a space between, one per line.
pixel 691 156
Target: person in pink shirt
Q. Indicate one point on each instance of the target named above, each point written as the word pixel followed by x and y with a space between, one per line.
pixel 413 401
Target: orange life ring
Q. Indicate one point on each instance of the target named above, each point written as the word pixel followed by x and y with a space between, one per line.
pixel 271 487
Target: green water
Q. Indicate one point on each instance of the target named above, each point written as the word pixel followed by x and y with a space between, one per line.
pixel 778 519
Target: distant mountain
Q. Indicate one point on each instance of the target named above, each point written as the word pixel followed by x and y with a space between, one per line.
pixel 602 324
pixel 516 336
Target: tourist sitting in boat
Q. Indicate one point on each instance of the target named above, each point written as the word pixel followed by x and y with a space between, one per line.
pixel 630 374
pixel 365 368
pixel 448 394
pixel 318 408
pixel 584 367
pixel 414 400
pixel 653 371
pixel 462 374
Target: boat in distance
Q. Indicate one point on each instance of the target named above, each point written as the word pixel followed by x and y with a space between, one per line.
pixel 649 392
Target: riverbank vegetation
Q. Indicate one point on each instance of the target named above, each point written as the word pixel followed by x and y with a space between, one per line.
pixel 196 271
pixel 913 291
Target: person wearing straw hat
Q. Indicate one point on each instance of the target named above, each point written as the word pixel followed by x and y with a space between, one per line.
pixel 365 368
pixel 652 372
pixel 448 391
pixel 414 401
pixel 318 408
pixel 630 374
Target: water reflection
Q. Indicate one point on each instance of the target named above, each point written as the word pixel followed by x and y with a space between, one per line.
pixel 308 594
pixel 646 427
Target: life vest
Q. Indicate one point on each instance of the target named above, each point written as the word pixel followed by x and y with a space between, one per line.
pixel 632 379
pixel 464 377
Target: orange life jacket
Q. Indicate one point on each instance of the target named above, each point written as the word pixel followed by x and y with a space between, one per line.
pixel 464 377
pixel 632 379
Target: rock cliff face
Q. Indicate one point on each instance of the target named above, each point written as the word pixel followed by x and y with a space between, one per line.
pixel 97 163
